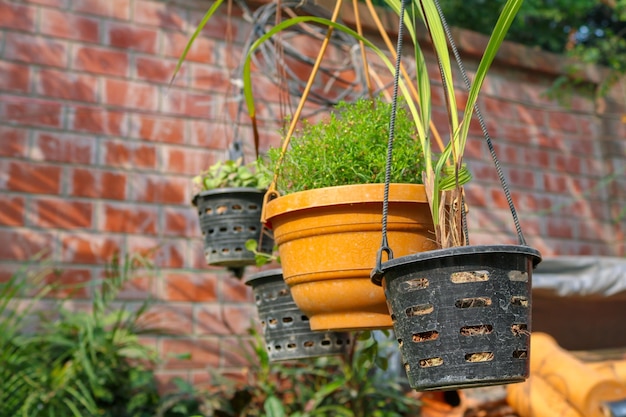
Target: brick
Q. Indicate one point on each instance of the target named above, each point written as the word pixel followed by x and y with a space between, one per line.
pixel 191 287
pixel 131 95
pixel 559 228
pixel 127 154
pixel 237 353
pixel 158 129
pixel 195 105
pixel 222 25
pixel 68 282
pixel 190 161
pixel 64 24
pixel 161 15
pixel 127 36
pixel 98 120
pixel 561 121
pixel 88 248
pixel 521 178
pixel 172 318
pixel 139 286
pixel 224 319
pixel 196 259
pixel 211 135
pixel 30 111
pixel 554 183
pixel 567 164
pixel 25 244
pixel 118 9
pixel 35 50
pixel 101 61
pixel 536 157
pixel 160 189
pixel 14 77
pixel 159 70
pixel 61 213
pixel 31 178
pixel 54 3
pixel 202 49
pixel 210 320
pixel 67 86
pixel 129 218
pixel 88 182
pixel 181 222
pixel 17 16
pixel 67 148
pixel 203 353
pixel 234 290
pixel 165 253
pixel 11 210
pixel 14 141
pixel 211 79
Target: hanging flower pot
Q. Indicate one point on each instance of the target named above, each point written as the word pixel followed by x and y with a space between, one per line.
pixel 285 327
pixel 328 239
pixel 462 314
pixel 229 205
pixel 228 218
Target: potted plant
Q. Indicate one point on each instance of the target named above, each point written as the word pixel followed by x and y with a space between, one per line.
pixel 326 221
pixel 228 200
pixel 461 312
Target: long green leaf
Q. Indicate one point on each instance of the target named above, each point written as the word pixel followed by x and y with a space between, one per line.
pixel 495 41
pixel 195 34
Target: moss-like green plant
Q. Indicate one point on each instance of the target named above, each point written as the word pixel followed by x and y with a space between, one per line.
pixel 350 147
pixel 236 174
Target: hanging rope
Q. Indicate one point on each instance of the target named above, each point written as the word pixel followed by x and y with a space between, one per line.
pixel 384 247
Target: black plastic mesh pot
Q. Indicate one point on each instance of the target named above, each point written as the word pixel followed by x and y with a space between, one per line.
pixel 228 218
pixel 286 330
pixel 462 315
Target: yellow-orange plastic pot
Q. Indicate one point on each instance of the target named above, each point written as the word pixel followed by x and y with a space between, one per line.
pixel 328 239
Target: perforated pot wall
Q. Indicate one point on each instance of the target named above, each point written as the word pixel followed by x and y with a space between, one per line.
pixel 462 315
pixel 228 218
pixel 285 328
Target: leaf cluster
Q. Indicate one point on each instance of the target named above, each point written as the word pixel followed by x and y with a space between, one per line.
pixel 74 363
pixel 354 385
pixel 229 173
pixel 350 147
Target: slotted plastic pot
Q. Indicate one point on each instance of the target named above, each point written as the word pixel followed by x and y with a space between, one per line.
pixel 286 328
pixel 228 218
pixel 462 315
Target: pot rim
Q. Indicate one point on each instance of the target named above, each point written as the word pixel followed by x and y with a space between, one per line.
pixel 261 277
pixel 226 190
pixel 345 194
pixel 457 251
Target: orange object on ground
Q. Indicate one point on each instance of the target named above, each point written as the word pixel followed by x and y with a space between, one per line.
pixel 328 240
pixel 442 404
pixel 536 398
pixel 613 369
pixel 584 387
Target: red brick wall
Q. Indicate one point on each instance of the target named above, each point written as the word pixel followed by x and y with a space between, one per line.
pixel 97 152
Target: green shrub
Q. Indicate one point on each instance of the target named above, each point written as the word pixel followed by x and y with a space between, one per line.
pixel 74 363
pixel 350 147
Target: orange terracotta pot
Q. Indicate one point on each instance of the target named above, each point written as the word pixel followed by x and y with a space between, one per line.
pixel 328 240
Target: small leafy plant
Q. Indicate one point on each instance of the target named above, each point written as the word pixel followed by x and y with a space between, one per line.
pixel 355 385
pixel 231 173
pixel 63 362
pixel 350 147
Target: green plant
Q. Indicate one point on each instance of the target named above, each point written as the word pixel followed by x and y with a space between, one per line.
pixel 67 362
pixel 233 174
pixel 350 386
pixel 349 147
pixel 262 258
